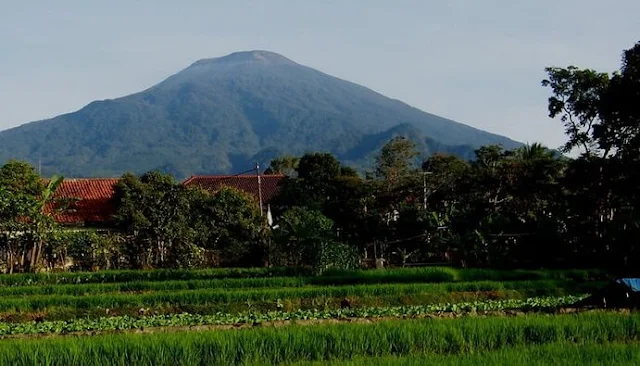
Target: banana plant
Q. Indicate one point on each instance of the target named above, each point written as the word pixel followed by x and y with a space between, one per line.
pixel 41 220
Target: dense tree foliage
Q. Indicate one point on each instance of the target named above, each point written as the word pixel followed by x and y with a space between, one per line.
pixel 575 98
pixel 228 222
pixel 26 226
pixel 285 165
pixel 154 212
pixel 306 238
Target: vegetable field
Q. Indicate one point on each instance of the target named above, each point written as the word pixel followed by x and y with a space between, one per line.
pixel 288 316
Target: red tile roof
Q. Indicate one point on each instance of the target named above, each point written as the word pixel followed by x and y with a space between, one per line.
pixel 247 183
pixel 90 200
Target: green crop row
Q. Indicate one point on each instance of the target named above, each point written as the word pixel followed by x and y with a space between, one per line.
pixel 287 304
pixel 179 320
pixel 26 279
pixel 399 275
pixel 561 353
pixel 464 336
pixel 207 296
pixel 448 274
pixel 86 289
pixel 139 286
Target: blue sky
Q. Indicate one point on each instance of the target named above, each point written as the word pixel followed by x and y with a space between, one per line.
pixel 478 62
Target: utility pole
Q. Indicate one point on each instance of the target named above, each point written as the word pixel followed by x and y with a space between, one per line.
pixel 259 187
pixel 424 189
pixel 40 165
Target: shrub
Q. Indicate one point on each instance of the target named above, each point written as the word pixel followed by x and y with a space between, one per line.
pixel 305 238
pixel 90 250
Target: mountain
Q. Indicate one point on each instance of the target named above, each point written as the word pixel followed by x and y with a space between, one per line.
pixel 222 115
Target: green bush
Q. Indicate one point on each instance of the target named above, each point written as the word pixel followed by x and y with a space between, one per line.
pixel 305 238
pixel 85 250
pixel 333 255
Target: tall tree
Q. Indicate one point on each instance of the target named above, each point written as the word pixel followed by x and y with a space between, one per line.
pixel 396 160
pixel 154 211
pixel 620 109
pixel 229 223
pixel 576 100
pixel 443 175
pixel 313 186
pixel 286 165
pixel 21 177
pixel 25 218
pixel 318 168
pixel 490 176
pixel 14 208
pixel 602 187
pixel 620 133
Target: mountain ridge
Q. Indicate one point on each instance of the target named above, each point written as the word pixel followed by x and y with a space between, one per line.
pixel 219 114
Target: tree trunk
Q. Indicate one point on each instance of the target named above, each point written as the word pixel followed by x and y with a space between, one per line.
pixel 10 260
pixel 22 260
pixel 32 260
pixel 38 255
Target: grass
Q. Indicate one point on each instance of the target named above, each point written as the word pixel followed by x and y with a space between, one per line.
pixel 293 298
pixel 248 291
pixel 562 353
pixel 24 279
pixel 137 286
pixel 399 275
pixel 407 338
pixel 86 289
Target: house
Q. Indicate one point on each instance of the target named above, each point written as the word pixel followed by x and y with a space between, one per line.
pixel 263 187
pixel 84 202
pixel 88 202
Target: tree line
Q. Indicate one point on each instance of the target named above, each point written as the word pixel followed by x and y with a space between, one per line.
pixel 527 207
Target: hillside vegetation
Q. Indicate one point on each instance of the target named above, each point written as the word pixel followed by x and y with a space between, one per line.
pixel 224 115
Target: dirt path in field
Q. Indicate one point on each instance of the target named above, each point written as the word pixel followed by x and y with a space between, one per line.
pixel 284 323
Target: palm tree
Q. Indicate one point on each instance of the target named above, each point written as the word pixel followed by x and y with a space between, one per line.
pixel 533 152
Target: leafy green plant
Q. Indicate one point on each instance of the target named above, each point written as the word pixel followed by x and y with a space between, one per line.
pixel 185 319
pixel 205 296
pixel 90 250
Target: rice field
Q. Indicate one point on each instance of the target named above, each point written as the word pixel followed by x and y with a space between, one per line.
pixel 465 338
pixel 562 353
pixel 288 316
pixel 402 275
